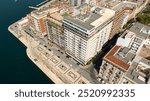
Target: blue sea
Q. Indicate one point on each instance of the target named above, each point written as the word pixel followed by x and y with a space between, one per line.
pixel 15 66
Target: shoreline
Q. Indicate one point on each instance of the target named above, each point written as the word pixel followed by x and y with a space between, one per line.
pixel 71 75
pixel 43 68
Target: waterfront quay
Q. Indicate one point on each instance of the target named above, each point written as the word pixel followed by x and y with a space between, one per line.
pixel 54 62
pixel 68 43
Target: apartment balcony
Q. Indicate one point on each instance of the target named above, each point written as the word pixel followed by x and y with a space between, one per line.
pixel 103 70
pixel 111 68
pixel 117 76
pixel 110 72
pixel 101 74
pixel 125 82
pixel 115 80
pixel 105 65
pixel 107 78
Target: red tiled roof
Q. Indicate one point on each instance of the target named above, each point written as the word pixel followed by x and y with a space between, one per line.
pixel 114 60
pixel 128 8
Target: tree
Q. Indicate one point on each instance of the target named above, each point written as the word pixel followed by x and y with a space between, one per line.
pixel 143 18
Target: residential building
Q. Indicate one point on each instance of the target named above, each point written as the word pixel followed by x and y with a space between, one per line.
pixel 115 65
pixel 118 19
pixel 77 2
pixel 125 10
pixel 138 73
pixel 37 19
pixel 128 61
pixel 73 2
pixel 37 23
pixel 86 32
pixel 55 30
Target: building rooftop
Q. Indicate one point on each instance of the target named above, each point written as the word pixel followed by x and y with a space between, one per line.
pixel 82 6
pixel 136 54
pixel 44 11
pixel 84 20
pixel 90 19
pixel 116 59
pixel 139 71
pixel 124 5
pixel 145 52
pixel 119 6
pixel 140 30
pixel 125 55
pixel 57 16
pixel 112 3
pixel 38 12
pixel 134 37
pixel 137 1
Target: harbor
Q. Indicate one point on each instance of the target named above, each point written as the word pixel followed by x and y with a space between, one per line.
pixel 16 67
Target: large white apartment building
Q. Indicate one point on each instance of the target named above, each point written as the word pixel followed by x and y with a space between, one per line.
pixel 86 32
